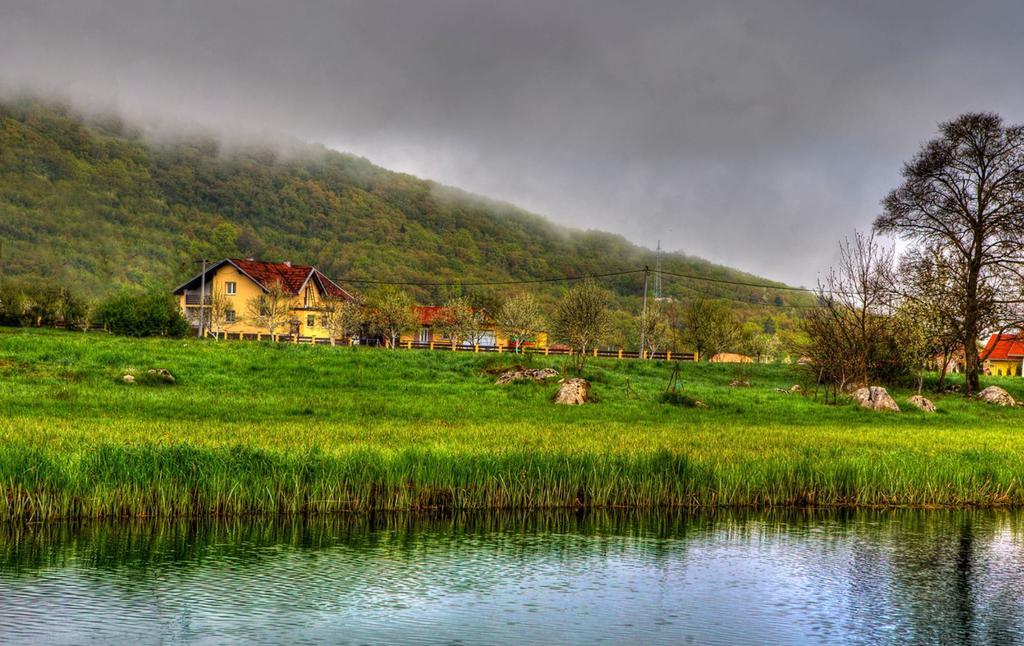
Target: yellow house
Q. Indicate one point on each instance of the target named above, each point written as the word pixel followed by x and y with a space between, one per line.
pixel 239 282
pixel 428 332
pixel 1004 355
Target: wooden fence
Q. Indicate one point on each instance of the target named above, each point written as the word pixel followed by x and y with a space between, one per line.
pixel 667 355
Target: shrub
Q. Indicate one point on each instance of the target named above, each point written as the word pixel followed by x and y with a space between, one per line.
pixel 141 314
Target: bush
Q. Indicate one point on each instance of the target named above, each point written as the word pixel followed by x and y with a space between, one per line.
pixel 141 314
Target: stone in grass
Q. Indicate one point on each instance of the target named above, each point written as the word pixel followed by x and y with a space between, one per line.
pixel 519 374
pixel 996 395
pixel 128 379
pixel 573 392
pixel 739 383
pixel 922 403
pixel 161 374
pixel 875 398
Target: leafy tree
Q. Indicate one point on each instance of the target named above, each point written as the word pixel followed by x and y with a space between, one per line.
pixel 582 319
pixel 709 327
pixel 391 312
pixel 653 328
pixel 460 322
pixel 521 318
pixel 963 195
pixel 929 312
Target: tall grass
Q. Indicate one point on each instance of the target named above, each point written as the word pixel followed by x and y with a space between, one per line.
pixel 254 428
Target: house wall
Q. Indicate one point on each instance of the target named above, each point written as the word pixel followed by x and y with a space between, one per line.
pixel 245 291
pixel 1003 368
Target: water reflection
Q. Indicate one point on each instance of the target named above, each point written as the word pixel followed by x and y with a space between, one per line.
pixel 905 576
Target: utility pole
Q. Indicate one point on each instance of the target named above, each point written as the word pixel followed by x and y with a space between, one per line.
pixel 643 313
pixel 657 273
pixel 202 303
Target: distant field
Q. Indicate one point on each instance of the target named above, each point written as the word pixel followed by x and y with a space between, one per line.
pixel 256 427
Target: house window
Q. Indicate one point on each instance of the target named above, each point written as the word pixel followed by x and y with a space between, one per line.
pixel 230 287
pixel 424 335
pixel 310 320
pixel 229 316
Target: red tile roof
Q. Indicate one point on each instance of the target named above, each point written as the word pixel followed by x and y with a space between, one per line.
pixel 431 314
pixel 1004 347
pixel 291 277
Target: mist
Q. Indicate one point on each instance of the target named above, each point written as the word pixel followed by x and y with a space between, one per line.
pixel 752 134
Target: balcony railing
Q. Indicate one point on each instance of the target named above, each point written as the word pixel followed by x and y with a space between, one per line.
pixel 195 298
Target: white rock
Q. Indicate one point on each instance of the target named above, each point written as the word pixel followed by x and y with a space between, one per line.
pixel 875 398
pixel 996 395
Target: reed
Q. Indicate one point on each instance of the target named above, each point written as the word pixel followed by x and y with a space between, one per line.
pixel 258 428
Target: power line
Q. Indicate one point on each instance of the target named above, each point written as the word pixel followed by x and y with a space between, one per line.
pixel 748 303
pixel 726 281
pixel 558 279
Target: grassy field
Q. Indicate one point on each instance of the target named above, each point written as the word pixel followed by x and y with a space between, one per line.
pixel 262 428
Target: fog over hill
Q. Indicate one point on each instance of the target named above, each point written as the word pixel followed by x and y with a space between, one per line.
pixel 755 134
pixel 90 202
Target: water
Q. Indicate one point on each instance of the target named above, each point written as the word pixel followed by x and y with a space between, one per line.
pixel 859 577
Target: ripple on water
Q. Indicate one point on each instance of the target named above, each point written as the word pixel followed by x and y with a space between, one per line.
pixel 728 578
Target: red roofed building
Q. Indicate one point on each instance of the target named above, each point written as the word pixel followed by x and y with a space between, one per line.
pixel 431 318
pixel 237 282
pixel 1004 354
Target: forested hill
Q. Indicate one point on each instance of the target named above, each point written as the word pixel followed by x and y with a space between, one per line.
pixel 91 203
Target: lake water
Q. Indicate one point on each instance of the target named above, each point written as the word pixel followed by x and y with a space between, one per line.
pixel 786 577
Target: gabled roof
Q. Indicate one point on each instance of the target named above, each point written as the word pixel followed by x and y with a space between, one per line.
pixel 1004 347
pixel 291 277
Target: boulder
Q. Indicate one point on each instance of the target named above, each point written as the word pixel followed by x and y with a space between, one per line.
pixel 161 374
pixel 875 398
pixel 796 389
pixel 573 391
pixel 996 395
pixel 739 383
pixel 922 403
pixel 520 374
pixel 128 379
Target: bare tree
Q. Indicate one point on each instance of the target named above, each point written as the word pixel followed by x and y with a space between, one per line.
pixel 342 317
pixel 271 309
pixel 963 194
pixel 520 319
pixel 218 308
pixel 850 337
pixel 391 312
pixel 709 327
pixel 582 319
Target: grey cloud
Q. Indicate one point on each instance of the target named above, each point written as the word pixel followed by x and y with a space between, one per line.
pixel 755 134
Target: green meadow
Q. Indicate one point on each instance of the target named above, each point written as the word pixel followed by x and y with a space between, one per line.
pixel 276 428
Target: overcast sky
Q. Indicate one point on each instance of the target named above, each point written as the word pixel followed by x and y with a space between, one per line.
pixel 754 134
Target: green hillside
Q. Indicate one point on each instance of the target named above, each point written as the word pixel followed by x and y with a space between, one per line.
pixel 91 203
